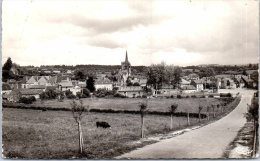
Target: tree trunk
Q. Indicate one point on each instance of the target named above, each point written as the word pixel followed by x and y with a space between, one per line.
pixel 199 117
pixel 80 137
pixel 171 121
pixel 254 142
pixel 142 126
pixel 208 115
pixel 188 118
pixel 214 112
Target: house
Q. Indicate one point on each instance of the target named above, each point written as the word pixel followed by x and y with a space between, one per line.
pixel 131 91
pixel 239 82
pixel 188 89
pixel 65 85
pixel 14 96
pixel 249 83
pixel 184 83
pixel 227 83
pixel 31 92
pixel 6 89
pixel 75 90
pixel 103 84
pixel 198 84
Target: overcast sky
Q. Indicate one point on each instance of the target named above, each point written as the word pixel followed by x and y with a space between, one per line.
pixel 184 32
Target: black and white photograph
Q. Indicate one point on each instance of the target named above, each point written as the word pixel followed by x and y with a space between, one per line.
pixel 130 79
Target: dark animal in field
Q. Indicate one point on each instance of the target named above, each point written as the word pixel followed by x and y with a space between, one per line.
pixel 102 124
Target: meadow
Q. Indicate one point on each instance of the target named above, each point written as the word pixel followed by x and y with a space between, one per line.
pixel 132 104
pixel 38 134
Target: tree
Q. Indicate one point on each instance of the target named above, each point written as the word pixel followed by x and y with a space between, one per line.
pixel 200 108
pixel 208 109
pixel 8 64
pixel 128 82
pixel 173 108
pixel 213 106
pixel 77 112
pixel 207 72
pixel 156 75
pixel 143 107
pixel 91 84
pixel 6 73
pixel 79 75
pixel 177 76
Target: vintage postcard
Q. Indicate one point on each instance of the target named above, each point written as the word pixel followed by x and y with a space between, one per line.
pixel 129 79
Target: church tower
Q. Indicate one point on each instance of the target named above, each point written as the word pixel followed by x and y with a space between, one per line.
pixel 125 70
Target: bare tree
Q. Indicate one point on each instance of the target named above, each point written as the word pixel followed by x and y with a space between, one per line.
pixel 143 107
pixel 77 110
pixel 173 108
pixel 188 116
pixel 200 108
pixel 213 106
pixel 208 109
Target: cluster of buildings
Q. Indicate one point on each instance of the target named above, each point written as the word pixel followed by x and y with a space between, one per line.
pixel 191 83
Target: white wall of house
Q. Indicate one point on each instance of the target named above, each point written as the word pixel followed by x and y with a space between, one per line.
pixel 104 86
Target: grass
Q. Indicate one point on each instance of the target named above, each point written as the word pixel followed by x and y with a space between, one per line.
pixel 154 104
pixel 40 134
pixel 53 134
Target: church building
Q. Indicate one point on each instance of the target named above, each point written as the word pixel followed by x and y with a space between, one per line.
pixel 125 70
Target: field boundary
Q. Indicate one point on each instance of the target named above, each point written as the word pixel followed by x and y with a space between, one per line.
pixel 176 114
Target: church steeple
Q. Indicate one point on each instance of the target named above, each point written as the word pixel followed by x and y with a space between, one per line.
pixel 126 58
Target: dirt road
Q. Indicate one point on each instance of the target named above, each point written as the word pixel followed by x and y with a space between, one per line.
pixel 209 141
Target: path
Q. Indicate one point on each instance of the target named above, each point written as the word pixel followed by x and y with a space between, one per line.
pixel 209 141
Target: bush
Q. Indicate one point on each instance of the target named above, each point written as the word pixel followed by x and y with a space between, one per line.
pixel 179 96
pixel 194 96
pixel 118 95
pixel 144 96
pixel 103 93
pixel 225 95
pixel 202 96
pixel 27 100
pixel 187 96
pixel 211 96
pixel 71 96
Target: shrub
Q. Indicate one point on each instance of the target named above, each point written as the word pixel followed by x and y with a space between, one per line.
pixel 144 96
pixel 71 96
pixel 118 95
pixel 103 93
pixel 211 96
pixel 28 100
pixel 194 96
pixel 202 96
pixel 179 96
pixel 187 96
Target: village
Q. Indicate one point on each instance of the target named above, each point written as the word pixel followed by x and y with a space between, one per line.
pixel 125 82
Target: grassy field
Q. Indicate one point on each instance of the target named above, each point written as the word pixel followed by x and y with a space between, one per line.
pixel 53 134
pixel 154 104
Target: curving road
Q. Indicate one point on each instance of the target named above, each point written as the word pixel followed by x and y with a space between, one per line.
pixel 209 141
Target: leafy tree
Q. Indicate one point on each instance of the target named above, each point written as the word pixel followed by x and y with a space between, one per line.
pixel 79 75
pixel 8 64
pixel 254 76
pixel 177 76
pixel 6 73
pixel 253 116
pixel 156 75
pixel 128 82
pixel 91 84
pixel 207 72
pixel 78 110
pixel 173 108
